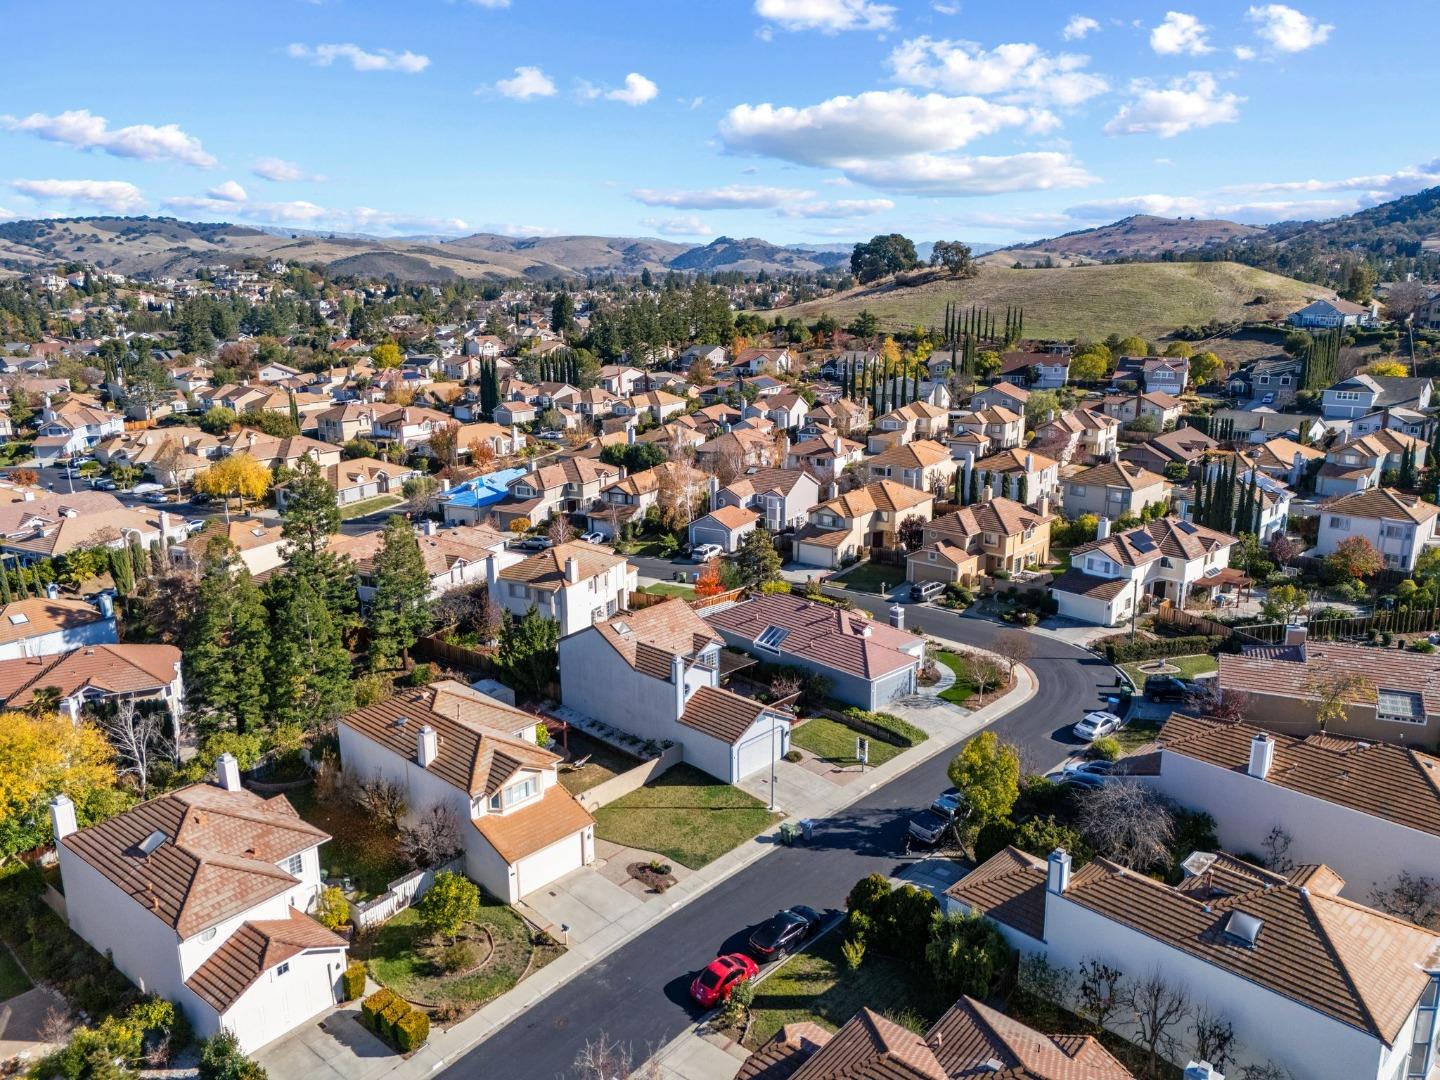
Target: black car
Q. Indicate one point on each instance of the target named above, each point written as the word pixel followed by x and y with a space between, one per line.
pixel 1166 688
pixel 783 931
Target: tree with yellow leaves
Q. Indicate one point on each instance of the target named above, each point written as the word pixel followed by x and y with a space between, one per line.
pixel 889 352
pixel 235 476
pixel 387 355
pixel 45 756
pixel 1388 369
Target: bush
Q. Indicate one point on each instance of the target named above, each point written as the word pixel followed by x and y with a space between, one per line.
pixel 374 1005
pixel 457 957
pixel 908 914
pixel 794 755
pixel 221 1059
pixel 333 910
pixel 888 728
pixel 993 837
pixel 1106 748
pixel 868 895
pixel 859 927
pixel 1040 836
pixel 452 901
pixel 966 955
pixel 353 981
pixel 371 689
pixel 1119 649
pixel 853 953
pixel 421 675
pixel 737 1005
pixel 411 1031
pixel 390 1016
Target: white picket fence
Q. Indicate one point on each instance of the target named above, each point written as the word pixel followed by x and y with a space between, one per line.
pixel 401 893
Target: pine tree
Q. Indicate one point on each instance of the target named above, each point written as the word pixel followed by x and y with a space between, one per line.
pixel 1024 488
pixel 311 514
pixel 225 653
pixel 308 672
pixel 121 570
pixel 400 610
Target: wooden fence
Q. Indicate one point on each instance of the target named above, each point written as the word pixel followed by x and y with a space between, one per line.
pixel 455 657
pixel 719 598
pixel 1186 623
pixel 1409 621
pixel 401 893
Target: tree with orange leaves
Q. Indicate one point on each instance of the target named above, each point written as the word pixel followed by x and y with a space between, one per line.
pixel 709 583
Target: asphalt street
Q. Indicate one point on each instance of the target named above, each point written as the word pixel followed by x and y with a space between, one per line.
pixel 639 994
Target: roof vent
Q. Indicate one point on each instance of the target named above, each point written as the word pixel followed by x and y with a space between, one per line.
pixel 151 842
pixel 401 721
pixel 1242 929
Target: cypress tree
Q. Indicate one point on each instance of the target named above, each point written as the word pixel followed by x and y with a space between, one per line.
pixel 121 570
pixel 225 653
pixel 400 611
pixel 974 486
pixel 308 667
pixel 5 595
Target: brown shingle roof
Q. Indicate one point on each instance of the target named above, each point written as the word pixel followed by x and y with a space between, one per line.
pixel 733 517
pixel 534 827
pixel 546 569
pixel 1383 503
pixel 1268 672
pixel 1170 536
pixel 1117 474
pixel 650 638
pixel 913 455
pixel 821 633
pixel 972 1037
pixel 1004 516
pixel 869 1047
pixel 253 949
pixel 880 495
pixel 114 669
pixel 1004 887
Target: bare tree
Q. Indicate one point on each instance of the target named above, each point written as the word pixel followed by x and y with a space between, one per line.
pixel 1268 1070
pixel 56 1026
pixel 1410 896
pixel 1128 824
pixel 1214 1038
pixel 1016 646
pixel 1158 1007
pixel 1102 992
pixel 141 737
pixel 433 838
pixel 1277 852
pixel 1406 298
pixel 382 799
pixel 560 531
pixel 602 1058
pixel 728 465
pixel 1208 699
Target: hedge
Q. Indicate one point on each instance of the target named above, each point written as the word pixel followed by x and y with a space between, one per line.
pixel 354 980
pixel 886 727
pixel 1126 652
pixel 392 1014
pixel 374 1005
pixel 411 1031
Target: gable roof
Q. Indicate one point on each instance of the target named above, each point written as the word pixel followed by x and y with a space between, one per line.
pixel 1379 503
pixel 546 569
pixel 972 1038
pixel 34 616
pixel 253 949
pixel 113 669
pixel 913 455
pixel 1009 389
pixel 1287 670
pixel 821 633
pixel 1004 516
pixel 1116 474
pixel 535 827
pixel 877 495
pixel 649 639
pixel 721 714
pixel 1168 536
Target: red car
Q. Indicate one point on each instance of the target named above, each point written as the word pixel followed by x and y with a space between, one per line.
pixel 713 985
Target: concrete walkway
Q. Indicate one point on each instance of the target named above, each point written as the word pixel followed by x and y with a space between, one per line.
pixel 798 797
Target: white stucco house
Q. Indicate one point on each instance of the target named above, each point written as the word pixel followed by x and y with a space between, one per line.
pixel 44 626
pixel 453 747
pixel 200 896
pixel 1397 525
pixel 1314 983
pixel 576 584
pixel 656 674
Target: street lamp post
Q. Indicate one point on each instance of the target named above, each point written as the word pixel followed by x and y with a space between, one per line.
pixel 772 763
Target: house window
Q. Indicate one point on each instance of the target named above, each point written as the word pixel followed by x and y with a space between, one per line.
pixel 513 795
pixel 282 969
pixel 1343 524
pixel 1422 1047
pixel 294 865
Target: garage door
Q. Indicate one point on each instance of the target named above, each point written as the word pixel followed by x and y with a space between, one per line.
pixel 545 866
pixel 753 754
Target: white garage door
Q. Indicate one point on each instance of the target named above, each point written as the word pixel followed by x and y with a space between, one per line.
pixel 754 752
pixel 545 866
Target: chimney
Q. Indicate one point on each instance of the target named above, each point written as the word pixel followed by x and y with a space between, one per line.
pixel 427 745
pixel 714 485
pixel 227 772
pixel 1262 756
pixel 839 446
pixel 1202 1070
pixel 572 569
pixel 62 816
pixel 515 436
pixel 1042 505
pixel 1057 872
pixel 52 591
pixel 1029 463
pixel 1296 634
pixel 1102 528
pixel 429 527
pixel 677 677
pixel 897 617
pixel 865 630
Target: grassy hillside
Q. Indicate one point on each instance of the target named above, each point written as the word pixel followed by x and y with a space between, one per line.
pixel 1082 301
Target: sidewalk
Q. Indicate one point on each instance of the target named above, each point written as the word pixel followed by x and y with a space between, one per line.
pixel 797 799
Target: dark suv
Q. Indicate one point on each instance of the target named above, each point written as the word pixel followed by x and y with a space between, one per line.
pixel 1166 688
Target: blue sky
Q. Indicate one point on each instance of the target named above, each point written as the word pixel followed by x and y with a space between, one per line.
pixel 812 121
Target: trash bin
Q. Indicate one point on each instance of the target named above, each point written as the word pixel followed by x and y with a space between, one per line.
pixel 788 832
pixel 807 829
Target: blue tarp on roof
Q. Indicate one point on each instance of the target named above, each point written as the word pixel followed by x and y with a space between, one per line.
pixel 483 490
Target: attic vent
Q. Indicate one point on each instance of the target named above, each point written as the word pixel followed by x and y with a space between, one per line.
pixel 19 619
pixel 151 842
pixel 401 721
pixel 1242 929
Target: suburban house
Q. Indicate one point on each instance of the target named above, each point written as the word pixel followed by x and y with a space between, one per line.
pixel 786 411
pixel 655 673
pixel 1002 427
pixel 467 753
pixel 1183 445
pixel 1155 405
pixel 71 428
pixel 970 1040
pixel 825 456
pixel 1274 498
pixel 847 526
pixel 1036 370
pixel 782 497
pixel 1370 810
pixel 1407 421
pixel 754 361
pixel 1397 525
pixel 1006 395
pixel 513 413
pixel 94 674
pixel 279 452
pixel 1358 464
pixel 739 448
pixel 576 584
pixel 1274 380
pixel 200 897
pixel 407 425
pixel 1079 433
pixel 566 486
pixel 998 534
pixel 454 557
pixel 924 464
pixel 260 547
pixel 476 440
pixel 357 479
pixel 1023 475
pixel 471 501
pixel 844 415
pixel 1328 314
pixel 867 663
pixel 725 526
pixel 1300 974
pixel 1393 696
pixel 619 379
pixel 44 626
pixel 714 355
pixel 341 423
pixel 1154 374
pixel 655 406
pixel 169 456
pixel 630 498
pixel 1362 394
pixel 1112 489
pixel 917 420
pixel 1285 460
pixel 1167 559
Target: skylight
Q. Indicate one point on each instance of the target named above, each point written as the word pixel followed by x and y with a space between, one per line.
pixel 151 842
pixel 19 618
pixel 1402 706
pixel 771 637
pixel 1242 929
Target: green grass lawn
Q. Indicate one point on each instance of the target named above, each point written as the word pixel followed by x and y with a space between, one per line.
pixel 1190 667
pixel 963 689
pixel 1138 733
pixel 834 742
pixel 12 979
pixel 369 506
pixel 872 577
pixel 815 985
pixel 667 588
pixel 685 815
pixel 359 848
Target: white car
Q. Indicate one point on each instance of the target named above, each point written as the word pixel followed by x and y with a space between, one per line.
pixel 1094 725
pixel 194 525
pixel 593 538
pixel 705 552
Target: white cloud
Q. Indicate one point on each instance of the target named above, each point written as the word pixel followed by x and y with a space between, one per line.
pixel 312 215
pixel 1078 27
pixel 954 175
pixel 685 225
pixel 1191 101
pixel 636 91
pixel 230 191
pixel 6 215
pixel 1158 205
pixel 1016 72
pixel 731 197
pixel 83 129
pixel 1377 186
pixel 280 170
pixel 878 123
pixel 945 9
pixel 527 82
pixel 827 16
pixel 1261 212
pixel 1179 33
pixel 1244 52
pixel 1286 29
pixel 840 208
pixel 360 59
pixel 116 196
pixel 492 4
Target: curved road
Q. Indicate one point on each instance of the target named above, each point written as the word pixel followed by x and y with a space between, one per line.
pixel 639 994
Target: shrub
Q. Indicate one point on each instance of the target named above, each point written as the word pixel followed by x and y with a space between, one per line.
pixel 371 689
pixel 794 755
pixel 453 900
pixel 907 915
pixel 658 866
pixel 859 926
pixel 852 951
pixel 221 1059
pixel 1120 650
pixel 1042 835
pixel 333 910
pixel 737 1005
pixel 966 955
pixel 457 957
pixel 353 981
pixel 868 895
pixel 374 1005
pixel 993 837
pixel 421 675
pixel 1106 748
pixel 889 728
pixel 411 1031
pixel 391 1015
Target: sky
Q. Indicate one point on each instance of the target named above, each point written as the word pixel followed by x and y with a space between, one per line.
pixel 800 121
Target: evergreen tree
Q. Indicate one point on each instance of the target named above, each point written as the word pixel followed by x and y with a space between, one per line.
pixel 308 672
pixel 122 570
pixel 311 514
pixel 974 486
pixel 400 611
pixel 5 594
pixel 226 646
pixel 528 658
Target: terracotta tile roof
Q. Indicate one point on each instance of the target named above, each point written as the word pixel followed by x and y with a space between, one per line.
pixel 113 669
pixel 821 633
pixel 913 455
pixel 1280 454
pixel 879 495
pixel 1382 503
pixel 971 1038
pixel 479 740
pixel 944 552
pixel 650 638
pixel 1004 516
pixel 1269 672
pixel 721 714
pixel 869 1047
pixel 535 826
pixel 1082 419
pixel 1015 460
pixel 787 1050
pixel 733 517
pixel 1009 887
pixel 35 616
pixel 1396 783
pixel 441 551
pixel 245 533
pixel 253 949
pixel 546 569
pixel 1117 474
pixel 1168 536
pixel 218 856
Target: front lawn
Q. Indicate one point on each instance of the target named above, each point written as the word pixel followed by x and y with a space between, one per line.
pixel 12 978
pixel 962 690
pixel 398 957
pixel 359 848
pixel 816 986
pixel 870 577
pixel 1189 666
pixel 369 506
pixel 686 816
pixel 832 741
pixel 667 588
pixel 1138 733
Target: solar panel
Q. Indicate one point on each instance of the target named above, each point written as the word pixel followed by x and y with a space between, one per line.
pixel 1186 527
pixel 1143 542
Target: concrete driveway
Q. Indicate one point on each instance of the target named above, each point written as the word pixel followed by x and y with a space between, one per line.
pixel 334 1046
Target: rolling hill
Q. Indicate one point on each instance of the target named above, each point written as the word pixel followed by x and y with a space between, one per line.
pixel 1147 298
pixel 1138 236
